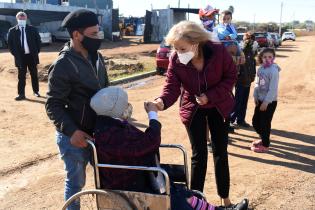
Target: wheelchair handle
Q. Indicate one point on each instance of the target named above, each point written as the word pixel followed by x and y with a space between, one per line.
pixel 142 168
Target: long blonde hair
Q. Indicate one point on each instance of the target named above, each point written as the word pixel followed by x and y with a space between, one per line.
pixel 188 31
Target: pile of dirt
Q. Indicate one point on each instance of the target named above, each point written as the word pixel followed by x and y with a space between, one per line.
pixel 114 69
pixel 119 69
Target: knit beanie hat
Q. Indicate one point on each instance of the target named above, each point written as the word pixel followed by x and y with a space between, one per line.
pixel 111 101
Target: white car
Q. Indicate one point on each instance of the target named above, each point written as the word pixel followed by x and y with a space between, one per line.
pixel 288 36
pixel 61 34
pixel 45 35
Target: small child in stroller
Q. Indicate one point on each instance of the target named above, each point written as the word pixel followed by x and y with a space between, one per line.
pixel 119 142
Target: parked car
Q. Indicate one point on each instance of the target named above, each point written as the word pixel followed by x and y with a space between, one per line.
pixel 4 29
pixel 288 36
pixel 240 37
pixel 264 39
pixel 63 34
pixel 276 39
pixel 60 34
pixel 162 57
pixel 45 35
pixel 3 39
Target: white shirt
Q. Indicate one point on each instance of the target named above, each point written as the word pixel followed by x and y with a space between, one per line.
pixel 26 48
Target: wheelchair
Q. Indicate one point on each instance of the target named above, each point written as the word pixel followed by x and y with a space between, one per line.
pixel 105 199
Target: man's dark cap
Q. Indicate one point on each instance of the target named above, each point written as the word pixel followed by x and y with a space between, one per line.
pixel 81 18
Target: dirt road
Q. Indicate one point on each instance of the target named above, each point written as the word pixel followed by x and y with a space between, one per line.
pixel 31 174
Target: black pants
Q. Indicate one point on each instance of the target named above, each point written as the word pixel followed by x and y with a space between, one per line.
pixel 241 99
pixel 28 62
pixel 262 122
pixel 219 137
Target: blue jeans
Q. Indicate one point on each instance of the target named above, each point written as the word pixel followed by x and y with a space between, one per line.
pixel 75 161
pixel 241 100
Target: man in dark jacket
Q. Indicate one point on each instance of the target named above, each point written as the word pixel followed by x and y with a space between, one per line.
pixel 24 44
pixel 245 78
pixel 77 74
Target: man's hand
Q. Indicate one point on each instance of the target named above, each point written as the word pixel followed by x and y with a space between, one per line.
pixel 150 106
pixel 202 99
pixel 263 106
pixel 159 104
pixel 78 139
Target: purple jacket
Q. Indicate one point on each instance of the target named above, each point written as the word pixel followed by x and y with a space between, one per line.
pixel 123 144
pixel 216 80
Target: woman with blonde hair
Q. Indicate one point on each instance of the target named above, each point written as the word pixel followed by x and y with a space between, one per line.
pixel 207 75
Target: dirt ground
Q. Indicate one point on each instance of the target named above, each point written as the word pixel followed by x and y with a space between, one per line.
pixel 32 175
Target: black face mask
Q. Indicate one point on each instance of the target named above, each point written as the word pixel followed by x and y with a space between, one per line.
pixel 91 44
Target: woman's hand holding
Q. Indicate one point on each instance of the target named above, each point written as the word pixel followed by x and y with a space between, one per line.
pixel 159 104
pixel 202 99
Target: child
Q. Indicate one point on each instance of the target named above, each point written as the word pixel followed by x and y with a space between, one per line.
pixel 119 142
pixel 265 95
pixel 227 34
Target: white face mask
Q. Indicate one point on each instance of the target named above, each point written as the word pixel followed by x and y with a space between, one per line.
pixel 184 58
pixel 21 23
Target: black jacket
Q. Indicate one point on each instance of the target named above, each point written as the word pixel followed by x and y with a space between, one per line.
pixel 248 70
pixel 72 81
pixel 15 46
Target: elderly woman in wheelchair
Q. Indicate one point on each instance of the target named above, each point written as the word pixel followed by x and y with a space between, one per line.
pixel 132 159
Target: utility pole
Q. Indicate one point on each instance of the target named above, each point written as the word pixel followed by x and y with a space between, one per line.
pixel 254 22
pixel 188 12
pixel 178 3
pixel 280 25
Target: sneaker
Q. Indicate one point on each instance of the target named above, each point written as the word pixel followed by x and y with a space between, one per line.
pixel 37 94
pixel 243 205
pixel 259 149
pixel 257 142
pixel 230 129
pixel 20 97
pixel 243 124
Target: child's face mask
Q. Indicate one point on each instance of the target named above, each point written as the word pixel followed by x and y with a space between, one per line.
pixel 268 61
pixel 208 24
pixel 227 19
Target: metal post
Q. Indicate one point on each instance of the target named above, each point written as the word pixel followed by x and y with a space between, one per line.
pixel 188 12
pixel 178 3
pixel 280 25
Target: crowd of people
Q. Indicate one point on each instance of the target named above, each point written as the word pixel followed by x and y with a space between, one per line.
pixel 206 66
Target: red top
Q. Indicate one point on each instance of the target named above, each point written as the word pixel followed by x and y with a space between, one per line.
pixel 216 80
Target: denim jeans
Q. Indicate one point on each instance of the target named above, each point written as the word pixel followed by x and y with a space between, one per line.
pixel 75 161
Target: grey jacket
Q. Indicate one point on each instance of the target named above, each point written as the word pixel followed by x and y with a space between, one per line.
pixel 266 87
pixel 72 81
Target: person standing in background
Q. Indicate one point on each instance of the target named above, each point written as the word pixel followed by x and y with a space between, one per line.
pixel 24 44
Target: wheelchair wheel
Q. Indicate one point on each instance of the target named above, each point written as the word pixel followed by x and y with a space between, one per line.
pixel 99 200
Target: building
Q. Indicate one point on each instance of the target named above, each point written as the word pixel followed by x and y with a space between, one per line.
pixel 159 22
pixel 101 4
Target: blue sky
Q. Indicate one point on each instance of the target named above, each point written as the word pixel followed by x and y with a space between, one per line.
pixel 246 10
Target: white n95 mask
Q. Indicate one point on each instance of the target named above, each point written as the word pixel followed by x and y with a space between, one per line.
pixel 184 58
